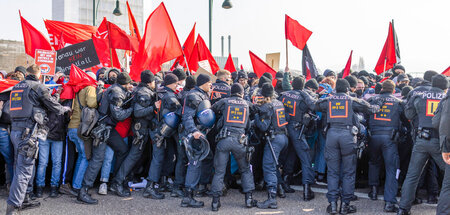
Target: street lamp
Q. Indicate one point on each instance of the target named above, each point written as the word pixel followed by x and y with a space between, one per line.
pixel 117 10
pixel 95 9
pixel 226 5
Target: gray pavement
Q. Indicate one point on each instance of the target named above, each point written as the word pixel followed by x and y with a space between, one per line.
pixel 233 203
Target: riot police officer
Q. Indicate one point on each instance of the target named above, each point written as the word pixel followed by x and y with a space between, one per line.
pixel 297 105
pixel 422 106
pixel 195 102
pixel 271 119
pixel 29 102
pixel 235 113
pixel 384 128
pixel 222 88
pixel 164 137
pixel 143 116
pixel 114 107
pixel 340 148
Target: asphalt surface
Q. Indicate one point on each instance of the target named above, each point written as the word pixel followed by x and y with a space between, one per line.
pixel 233 203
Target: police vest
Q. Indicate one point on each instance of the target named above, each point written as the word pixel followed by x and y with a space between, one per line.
pixel 291 101
pixel 340 110
pixel 257 97
pixel 236 113
pixel 20 105
pixel 427 105
pixel 388 116
pixel 219 91
pixel 279 121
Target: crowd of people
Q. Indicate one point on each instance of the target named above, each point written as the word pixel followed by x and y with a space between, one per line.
pixel 199 135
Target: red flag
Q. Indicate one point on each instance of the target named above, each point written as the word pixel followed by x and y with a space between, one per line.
pixel 32 38
pixel 102 45
pixel 132 23
pixel 73 32
pixel 229 65
pixel 296 33
pixel 388 56
pixel 242 68
pixel 121 40
pixel 446 72
pixel 78 80
pixel 159 44
pixel 347 66
pixel 7 84
pixel 61 42
pixel 201 54
pixel 260 67
pixel 188 46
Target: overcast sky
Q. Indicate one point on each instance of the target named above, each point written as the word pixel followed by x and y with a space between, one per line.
pixel 423 28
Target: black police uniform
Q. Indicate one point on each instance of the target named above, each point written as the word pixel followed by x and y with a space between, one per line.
pixel 29 98
pixel 421 106
pixel 340 148
pixel 219 90
pixel 384 128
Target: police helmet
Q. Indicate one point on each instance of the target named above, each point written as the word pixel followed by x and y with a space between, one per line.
pixel 170 124
pixel 206 118
pixel 196 149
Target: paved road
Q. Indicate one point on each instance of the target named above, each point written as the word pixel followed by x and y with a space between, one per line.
pixel 233 203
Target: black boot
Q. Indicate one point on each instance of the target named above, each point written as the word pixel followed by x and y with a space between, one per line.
pixel 215 204
pixel 308 194
pixel 390 207
pixel 373 194
pixel 346 208
pixel 165 186
pixel 249 201
pixel 271 201
pixel 177 192
pixel 29 203
pixel 151 191
pixel 84 196
pixel 119 190
pixel 402 211
pixel 201 191
pixel 54 190
pixel 280 191
pixel 332 208
pixel 259 185
pixel 432 199
pixel 189 201
pixel 39 192
pixel 11 210
pixel 287 184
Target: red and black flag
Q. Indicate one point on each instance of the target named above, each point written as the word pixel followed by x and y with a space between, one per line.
pixel 390 55
pixel 308 66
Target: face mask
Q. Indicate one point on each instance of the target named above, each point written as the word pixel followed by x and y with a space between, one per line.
pixel 401 85
pixel 359 92
pixel 112 80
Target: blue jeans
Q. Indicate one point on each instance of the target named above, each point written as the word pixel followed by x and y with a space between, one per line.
pixel 6 149
pixel 82 162
pixel 44 150
pixel 107 165
pixel 319 163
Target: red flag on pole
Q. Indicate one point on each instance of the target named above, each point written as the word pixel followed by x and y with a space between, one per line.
pixel 78 80
pixel 388 56
pixel 32 38
pixel 159 44
pixel 121 40
pixel 132 24
pixel 188 46
pixel 260 67
pixel 200 54
pixel 347 66
pixel 73 32
pixel 446 72
pixel 296 33
pixel 229 65
pixel 7 85
pixel 103 47
pixel 242 68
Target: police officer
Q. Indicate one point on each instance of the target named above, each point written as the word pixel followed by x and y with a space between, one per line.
pixel 29 101
pixel 242 78
pixel 222 88
pixel 235 113
pixel 384 128
pixel 165 136
pixel 422 106
pixel 143 116
pixel 196 101
pixel 115 106
pixel 271 119
pixel 297 105
pixel 340 148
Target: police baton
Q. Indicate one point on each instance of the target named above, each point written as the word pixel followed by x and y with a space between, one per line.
pixel 275 159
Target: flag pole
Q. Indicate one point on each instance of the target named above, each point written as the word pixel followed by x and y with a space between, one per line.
pixel 287 53
pixel 384 68
pixel 187 66
pixel 109 45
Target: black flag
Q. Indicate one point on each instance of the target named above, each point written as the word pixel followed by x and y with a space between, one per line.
pixel 308 66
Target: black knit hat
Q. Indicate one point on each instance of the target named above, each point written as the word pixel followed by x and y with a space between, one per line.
pixel 279 75
pixel 252 75
pixel 181 74
pixel 237 89
pixel 429 74
pixel 399 67
pixel 203 79
pixel 147 77
pixel 440 81
pixel 406 90
pixel 267 90
pixel 267 75
pixel 170 79
pixel 234 76
pixel 319 78
pixel 123 78
pixel 363 73
pixel 378 87
pixel 342 86
pixel 21 69
pixel 329 73
pixel 241 74
pixel 190 82
pixel 298 83
pixel 312 83
pixel 352 81
pixel 263 80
